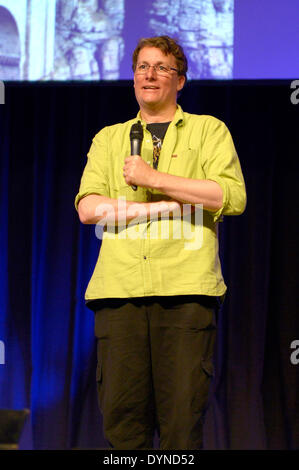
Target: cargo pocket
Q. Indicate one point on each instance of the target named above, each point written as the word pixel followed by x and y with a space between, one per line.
pixel 206 372
pixel 208 367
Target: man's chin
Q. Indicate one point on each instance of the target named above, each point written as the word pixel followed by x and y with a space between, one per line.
pixel 151 103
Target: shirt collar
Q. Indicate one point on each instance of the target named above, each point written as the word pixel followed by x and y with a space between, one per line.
pixel 178 119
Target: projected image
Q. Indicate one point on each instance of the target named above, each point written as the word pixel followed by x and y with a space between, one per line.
pixel 94 39
pixel 205 30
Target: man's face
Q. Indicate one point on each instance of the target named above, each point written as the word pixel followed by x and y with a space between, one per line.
pixel 153 90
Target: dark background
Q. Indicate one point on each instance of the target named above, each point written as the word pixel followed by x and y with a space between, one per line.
pixel 47 258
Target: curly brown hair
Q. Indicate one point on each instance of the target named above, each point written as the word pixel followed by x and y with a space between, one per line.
pixel 168 46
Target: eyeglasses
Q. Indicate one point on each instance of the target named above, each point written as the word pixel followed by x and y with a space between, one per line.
pixel 159 69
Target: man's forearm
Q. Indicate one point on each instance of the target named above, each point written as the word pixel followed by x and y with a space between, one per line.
pixel 95 209
pixel 187 190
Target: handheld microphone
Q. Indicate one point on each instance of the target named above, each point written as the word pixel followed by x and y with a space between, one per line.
pixel 136 138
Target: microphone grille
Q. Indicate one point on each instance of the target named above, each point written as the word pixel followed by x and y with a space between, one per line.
pixel 136 131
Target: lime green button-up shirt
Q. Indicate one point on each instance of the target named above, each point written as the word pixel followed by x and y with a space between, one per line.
pixel 163 257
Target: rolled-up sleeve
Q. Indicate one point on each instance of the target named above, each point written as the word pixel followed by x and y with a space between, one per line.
pixel 221 164
pixel 94 179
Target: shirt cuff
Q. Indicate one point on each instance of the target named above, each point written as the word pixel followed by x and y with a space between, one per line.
pixel 218 215
pixel 81 195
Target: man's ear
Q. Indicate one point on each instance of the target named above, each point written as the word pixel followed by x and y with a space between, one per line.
pixel 181 82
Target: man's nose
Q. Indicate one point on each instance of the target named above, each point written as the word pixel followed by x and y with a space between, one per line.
pixel 151 72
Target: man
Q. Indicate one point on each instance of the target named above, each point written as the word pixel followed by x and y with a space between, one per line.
pixel 154 291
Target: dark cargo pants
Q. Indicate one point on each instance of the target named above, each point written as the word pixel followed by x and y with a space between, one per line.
pixel 154 369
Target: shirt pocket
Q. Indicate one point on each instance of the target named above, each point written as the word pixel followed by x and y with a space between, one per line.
pixel 186 163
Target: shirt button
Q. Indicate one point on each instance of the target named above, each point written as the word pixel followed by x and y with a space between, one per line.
pixel 144 257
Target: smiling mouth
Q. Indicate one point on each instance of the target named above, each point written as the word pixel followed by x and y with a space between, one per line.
pixel 150 88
